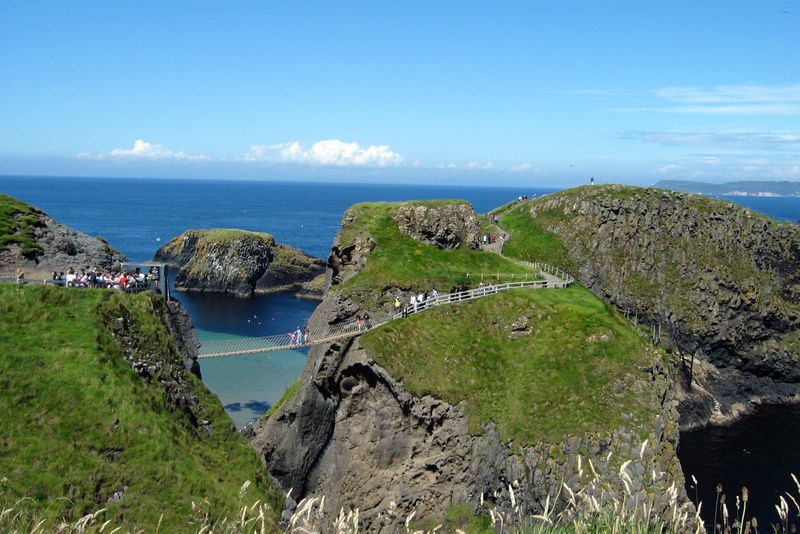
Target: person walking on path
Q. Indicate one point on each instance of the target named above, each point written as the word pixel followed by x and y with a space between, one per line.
pixel 20 276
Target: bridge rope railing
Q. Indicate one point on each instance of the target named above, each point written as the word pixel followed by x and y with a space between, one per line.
pixel 236 347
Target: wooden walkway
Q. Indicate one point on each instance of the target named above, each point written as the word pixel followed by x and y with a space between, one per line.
pixel 553 278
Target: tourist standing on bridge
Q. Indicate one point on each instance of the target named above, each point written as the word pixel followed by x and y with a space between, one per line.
pixel 397 304
pixel 366 320
pixel 413 302
pixel 299 335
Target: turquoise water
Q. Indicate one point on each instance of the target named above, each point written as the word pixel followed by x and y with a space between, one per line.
pixel 251 383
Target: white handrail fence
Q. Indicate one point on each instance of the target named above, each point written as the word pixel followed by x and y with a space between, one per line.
pixel 236 347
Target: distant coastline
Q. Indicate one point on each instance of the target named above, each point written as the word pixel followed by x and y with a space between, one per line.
pixel 734 189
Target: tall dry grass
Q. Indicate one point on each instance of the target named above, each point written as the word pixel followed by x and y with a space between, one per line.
pixel 591 509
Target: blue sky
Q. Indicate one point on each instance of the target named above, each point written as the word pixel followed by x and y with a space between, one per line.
pixel 540 93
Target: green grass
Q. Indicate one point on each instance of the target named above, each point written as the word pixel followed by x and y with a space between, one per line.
pixel 546 385
pixel 398 261
pixel 18 222
pixel 530 241
pixel 225 234
pixel 288 394
pixel 78 424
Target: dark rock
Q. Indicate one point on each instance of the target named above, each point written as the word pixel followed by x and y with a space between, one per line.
pixel 718 280
pixel 443 226
pixel 241 263
pixel 61 248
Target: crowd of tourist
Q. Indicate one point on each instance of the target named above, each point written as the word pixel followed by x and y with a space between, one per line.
pixel 96 278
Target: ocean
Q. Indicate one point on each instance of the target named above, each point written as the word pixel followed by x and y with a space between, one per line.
pixel 137 216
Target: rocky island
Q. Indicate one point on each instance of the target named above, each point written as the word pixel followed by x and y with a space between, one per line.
pixel 455 409
pixel 241 263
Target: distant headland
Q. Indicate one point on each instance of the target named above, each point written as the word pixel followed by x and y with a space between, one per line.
pixel 741 189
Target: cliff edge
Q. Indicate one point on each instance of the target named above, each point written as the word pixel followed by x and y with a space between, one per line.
pixel 718 281
pixel 31 239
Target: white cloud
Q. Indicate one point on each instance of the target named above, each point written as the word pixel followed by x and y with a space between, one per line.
pixel 731 93
pixel 739 109
pixel 788 173
pixel 736 139
pixel 331 152
pixel 727 100
pixel 143 150
pixel 522 167
pixel 667 169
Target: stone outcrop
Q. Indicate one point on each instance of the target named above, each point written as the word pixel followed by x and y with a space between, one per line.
pixel 721 281
pixel 450 225
pixel 56 247
pixel 240 263
pixel 352 433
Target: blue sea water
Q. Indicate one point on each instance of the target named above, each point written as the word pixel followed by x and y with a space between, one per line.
pixel 137 216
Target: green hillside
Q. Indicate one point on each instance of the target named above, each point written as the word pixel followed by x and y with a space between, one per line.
pixel 521 357
pixel 17 225
pixel 79 425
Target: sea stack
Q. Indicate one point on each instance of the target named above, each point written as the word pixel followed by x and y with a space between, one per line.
pixel 241 263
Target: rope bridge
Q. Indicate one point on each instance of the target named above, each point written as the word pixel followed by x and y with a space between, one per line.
pixel 221 348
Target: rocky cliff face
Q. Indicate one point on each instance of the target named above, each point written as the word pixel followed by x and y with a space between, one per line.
pixel 449 225
pixel 45 245
pixel 354 434
pixel 721 281
pixel 239 262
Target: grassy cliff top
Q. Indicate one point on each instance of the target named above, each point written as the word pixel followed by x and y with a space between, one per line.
pixel 659 250
pixel 79 424
pixel 17 223
pixel 399 261
pixel 227 234
pixel 555 377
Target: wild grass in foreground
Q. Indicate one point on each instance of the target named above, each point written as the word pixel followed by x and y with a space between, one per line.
pixel 582 513
pixel 257 517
